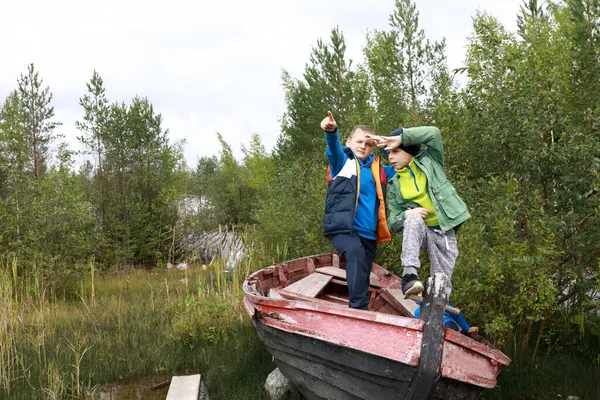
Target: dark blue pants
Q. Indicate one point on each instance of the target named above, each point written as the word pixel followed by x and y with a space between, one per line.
pixel 360 254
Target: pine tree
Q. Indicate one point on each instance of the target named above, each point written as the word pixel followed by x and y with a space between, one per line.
pixel 93 127
pixel 403 65
pixel 38 113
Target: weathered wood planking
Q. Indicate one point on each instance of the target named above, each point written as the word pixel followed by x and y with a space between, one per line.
pixel 396 299
pixel 282 275
pixel 310 286
pixel 335 260
pixel 341 273
pixel 310 266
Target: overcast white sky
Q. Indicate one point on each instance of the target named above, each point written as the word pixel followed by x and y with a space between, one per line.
pixel 206 66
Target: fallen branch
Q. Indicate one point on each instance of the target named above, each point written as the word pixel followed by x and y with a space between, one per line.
pixel 161 385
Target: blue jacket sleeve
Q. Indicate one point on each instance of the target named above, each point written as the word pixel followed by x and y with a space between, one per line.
pixel 390 171
pixel 335 153
pixel 461 321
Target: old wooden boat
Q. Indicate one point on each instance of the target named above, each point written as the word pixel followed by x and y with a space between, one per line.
pixel 300 311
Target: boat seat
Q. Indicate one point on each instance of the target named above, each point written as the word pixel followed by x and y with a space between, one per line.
pixel 310 286
pixel 341 273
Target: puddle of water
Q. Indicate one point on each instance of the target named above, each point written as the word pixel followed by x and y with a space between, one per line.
pixel 139 390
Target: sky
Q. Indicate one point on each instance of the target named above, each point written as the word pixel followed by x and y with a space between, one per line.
pixel 206 66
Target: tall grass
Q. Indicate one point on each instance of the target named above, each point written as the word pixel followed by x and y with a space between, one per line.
pixel 118 328
pixel 9 362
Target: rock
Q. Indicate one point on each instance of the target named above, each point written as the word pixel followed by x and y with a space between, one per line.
pixel 277 385
pixel 182 266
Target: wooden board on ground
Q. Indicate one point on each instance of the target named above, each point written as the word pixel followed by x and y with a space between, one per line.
pixel 184 388
pixel 309 286
pixel 341 273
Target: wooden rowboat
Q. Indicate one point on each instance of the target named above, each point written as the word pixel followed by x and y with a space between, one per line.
pixel 329 351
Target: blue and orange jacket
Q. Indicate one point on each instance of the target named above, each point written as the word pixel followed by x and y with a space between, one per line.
pixel 356 193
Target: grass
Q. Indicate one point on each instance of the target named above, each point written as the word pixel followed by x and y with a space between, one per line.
pixel 550 376
pixel 125 327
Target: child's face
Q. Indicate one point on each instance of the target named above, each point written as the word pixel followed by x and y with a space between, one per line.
pixel 360 145
pixel 399 158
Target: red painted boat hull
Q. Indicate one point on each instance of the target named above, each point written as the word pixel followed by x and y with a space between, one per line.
pixel 331 351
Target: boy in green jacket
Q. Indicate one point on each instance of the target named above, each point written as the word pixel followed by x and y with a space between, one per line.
pixel 422 203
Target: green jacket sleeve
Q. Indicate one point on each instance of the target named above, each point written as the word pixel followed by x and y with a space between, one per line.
pixel 429 135
pixel 395 218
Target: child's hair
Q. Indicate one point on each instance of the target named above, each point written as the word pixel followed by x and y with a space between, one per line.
pixel 413 150
pixel 364 128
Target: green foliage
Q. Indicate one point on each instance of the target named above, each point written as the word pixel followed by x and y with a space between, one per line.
pixel 44 217
pixel 509 256
pixel 528 170
pixel 293 210
pixel 230 192
pixel 120 209
pixel 330 84
pixel 201 323
pixel 554 375
pixel 133 183
pixel 93 127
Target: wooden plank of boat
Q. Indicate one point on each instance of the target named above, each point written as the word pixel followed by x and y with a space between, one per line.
pixel 336 298
pixel 335 260
pixel 341 273
pixel 310 286
pixel 310 265
pixel 345 283
pixel 274 295
pixel 296 296
pixel 395 297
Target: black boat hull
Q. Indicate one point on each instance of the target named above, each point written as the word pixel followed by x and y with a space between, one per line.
pixel 322 370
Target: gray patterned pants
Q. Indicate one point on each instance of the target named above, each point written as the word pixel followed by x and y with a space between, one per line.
pixel 440 246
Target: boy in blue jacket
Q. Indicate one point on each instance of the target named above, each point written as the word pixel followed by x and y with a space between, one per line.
pixel 355 210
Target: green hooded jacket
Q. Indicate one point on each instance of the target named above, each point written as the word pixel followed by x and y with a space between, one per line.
pixel 449 207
